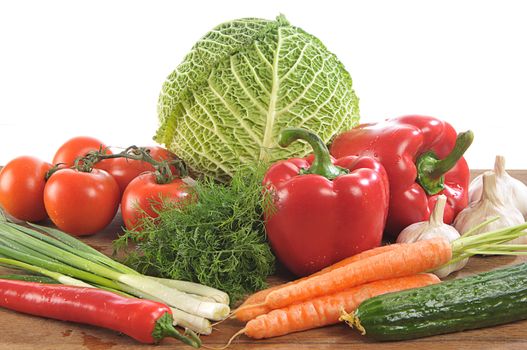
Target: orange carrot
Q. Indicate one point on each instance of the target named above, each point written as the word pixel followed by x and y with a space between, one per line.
pixel 405 260
pixel 256 307
pixel 326 310
pixel 253 307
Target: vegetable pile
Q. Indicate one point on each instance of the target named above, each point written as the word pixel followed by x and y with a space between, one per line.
pixel 322 296
pixel 69 261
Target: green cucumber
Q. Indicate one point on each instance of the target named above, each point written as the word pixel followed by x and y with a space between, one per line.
pixel 483 300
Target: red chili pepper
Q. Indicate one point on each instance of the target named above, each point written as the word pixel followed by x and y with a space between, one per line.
pixel 423 157
pixel 144 320
pixel 325 210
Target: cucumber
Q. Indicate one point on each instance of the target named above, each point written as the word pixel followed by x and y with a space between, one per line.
pixel 483 300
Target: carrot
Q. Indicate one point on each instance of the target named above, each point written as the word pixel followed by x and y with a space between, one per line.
pixel 405 260
pixel 253 307
pixel 326 310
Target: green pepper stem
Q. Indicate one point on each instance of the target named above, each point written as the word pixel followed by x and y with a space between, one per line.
pixel 431 170
pixel 322 164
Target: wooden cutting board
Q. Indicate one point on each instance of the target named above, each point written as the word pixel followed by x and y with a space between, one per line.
pixel 18 331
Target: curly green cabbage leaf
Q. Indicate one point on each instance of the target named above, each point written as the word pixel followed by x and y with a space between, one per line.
pixel 224 105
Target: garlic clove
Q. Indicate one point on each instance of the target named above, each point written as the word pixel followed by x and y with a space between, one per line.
pixel 519 195
pixel 413 232
pixel 434 227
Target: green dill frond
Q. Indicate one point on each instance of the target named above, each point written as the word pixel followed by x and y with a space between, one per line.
pixel 218 241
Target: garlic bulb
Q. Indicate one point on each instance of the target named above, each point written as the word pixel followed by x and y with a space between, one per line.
pixel 490 205
pixel 511 189
pixel 434 227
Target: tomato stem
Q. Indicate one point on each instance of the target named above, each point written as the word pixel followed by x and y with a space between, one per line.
pixel 163 171
pixel 53 170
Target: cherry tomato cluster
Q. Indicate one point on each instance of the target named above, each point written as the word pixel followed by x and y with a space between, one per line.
pixel 82 198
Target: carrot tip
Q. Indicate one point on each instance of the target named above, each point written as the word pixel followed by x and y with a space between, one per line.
pixel 352 321
pixel 248 306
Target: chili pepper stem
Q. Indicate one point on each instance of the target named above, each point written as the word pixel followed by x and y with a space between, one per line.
pixel 322 164
pixel 431 170
pixel 164 328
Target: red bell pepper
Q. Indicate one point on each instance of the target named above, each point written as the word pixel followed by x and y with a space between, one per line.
pixel 423 157
pixel 324 210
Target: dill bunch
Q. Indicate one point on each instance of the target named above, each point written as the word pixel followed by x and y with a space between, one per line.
pixel 219 240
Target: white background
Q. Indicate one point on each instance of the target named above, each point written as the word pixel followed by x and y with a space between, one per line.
pixel 95 68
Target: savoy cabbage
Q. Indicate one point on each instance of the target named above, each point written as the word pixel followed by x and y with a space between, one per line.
pixel 244 81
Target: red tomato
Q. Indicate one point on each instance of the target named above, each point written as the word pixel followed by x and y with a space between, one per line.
pixel 22 183
pixel 125 170
pixel 81 203
pixel 76 147
pixel 144 195
pixel 160 153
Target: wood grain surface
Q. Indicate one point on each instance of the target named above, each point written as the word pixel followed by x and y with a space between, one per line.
pixel 18 331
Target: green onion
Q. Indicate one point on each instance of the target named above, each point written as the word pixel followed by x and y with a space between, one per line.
pixel 29 278
pixel 78 246
pixel 198 324
pixel 66 259
pixel 199 289
pixel 56 276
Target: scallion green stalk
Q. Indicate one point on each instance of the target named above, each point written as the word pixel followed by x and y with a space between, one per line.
pixel 29 278
pixel 79 246
pixel 55 275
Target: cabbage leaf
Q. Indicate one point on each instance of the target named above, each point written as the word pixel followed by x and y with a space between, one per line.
pixel 224 105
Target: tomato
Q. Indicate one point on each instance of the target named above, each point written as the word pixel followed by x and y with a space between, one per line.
pixel 160 153
pixel 125 170
pixel 77 147
pixel 81 203
pixel 144 195
pixel 22 183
